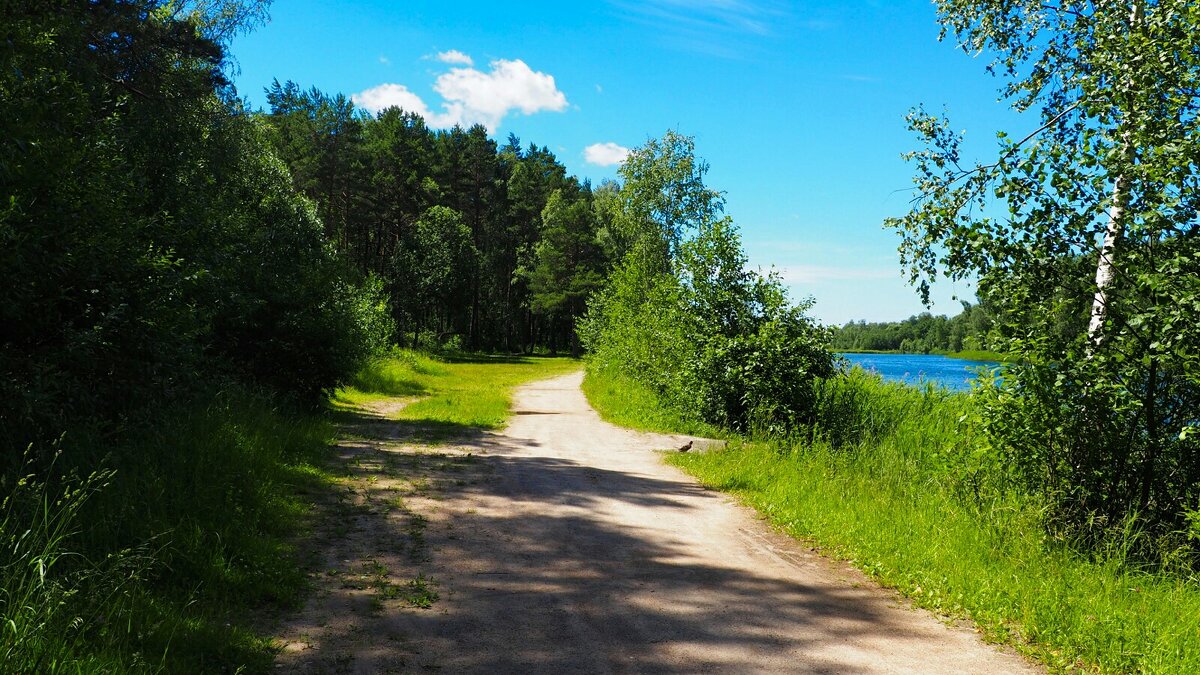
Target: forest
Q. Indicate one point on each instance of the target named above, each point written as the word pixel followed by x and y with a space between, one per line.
pixel 188 280
pixel 923 333
pixel 478 245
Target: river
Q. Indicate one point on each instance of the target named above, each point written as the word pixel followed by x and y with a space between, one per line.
pixel 953 374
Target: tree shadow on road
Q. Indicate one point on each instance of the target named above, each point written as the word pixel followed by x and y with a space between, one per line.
pixel 529 581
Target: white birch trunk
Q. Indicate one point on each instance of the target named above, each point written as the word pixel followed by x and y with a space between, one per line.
pixel 1106 270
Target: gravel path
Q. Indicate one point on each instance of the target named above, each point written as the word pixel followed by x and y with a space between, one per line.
pixel 565 545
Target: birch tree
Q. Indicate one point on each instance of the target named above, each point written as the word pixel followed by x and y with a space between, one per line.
pixel 1082 231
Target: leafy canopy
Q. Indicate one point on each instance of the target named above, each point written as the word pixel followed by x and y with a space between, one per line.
pixel 1094 209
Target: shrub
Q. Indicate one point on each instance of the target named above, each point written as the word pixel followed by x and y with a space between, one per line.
pixel 682 315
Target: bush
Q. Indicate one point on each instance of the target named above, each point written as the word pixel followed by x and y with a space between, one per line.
pixel 288 312
pixel 1101 450
pixel 682 315
pixel 763 381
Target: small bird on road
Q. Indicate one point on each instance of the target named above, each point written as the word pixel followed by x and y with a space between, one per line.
pixel 685 447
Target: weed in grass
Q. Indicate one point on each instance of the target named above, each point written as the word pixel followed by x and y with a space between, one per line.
pixel 420 486
pixel 419 592
pixel 376 569
pixel 418 549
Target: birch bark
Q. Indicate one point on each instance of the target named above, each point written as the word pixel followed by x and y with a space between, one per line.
pixel 1106 270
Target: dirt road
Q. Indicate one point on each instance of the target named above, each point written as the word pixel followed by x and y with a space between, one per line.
pixel 565 545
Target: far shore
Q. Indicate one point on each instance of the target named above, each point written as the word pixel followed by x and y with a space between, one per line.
pixel 966 355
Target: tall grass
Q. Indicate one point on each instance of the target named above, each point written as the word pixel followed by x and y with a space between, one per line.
pixel 159 562
pixel 899 481
pixel 43 615
pixel 622 400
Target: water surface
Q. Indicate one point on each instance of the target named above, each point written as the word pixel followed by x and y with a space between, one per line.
pixel 953 374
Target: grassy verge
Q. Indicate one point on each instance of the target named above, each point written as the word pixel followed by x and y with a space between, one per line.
pixel 464 391
pixel 158 562
pixel 625 402
pixel 897 484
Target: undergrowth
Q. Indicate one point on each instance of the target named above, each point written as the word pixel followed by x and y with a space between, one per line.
pixel 623 401
pixel 159 561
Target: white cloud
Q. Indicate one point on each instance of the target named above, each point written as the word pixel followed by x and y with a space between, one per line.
pixel 455 57
pixel 390 96
pixel 472 96
pixel 385 60
pixel 605 154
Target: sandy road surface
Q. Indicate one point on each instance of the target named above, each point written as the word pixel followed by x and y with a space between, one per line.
pixel 565 545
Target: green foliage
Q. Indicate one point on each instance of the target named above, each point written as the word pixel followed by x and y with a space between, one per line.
pixel 1079 439
pixel 432 272
pixel 384 187
pixel 1094 209
pixel 149 234
pixel 50 597
pixel 682 315
pixel 93 277
pixel 297 318
pixel 762 380
pixel 970 330
pixel 369 318
pixel 320 138
pixel 568 262
pixel 167 297
pixel 638 326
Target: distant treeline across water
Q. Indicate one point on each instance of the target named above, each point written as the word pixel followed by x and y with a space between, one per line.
pixel 921 334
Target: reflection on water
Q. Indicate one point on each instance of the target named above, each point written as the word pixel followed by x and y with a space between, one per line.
pixel 953 374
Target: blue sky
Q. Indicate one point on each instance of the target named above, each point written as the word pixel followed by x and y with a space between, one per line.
pixel 797 106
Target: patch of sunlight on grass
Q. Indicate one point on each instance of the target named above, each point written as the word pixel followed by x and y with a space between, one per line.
pixel 470 391
pixel 628 403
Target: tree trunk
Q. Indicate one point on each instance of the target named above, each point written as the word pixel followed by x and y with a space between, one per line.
pixel 1152 441
pixel 1106 270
